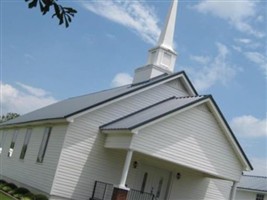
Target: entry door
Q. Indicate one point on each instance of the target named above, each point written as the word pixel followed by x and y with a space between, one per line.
pixel 153 180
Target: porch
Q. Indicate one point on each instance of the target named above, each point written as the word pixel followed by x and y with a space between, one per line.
pixel 150 178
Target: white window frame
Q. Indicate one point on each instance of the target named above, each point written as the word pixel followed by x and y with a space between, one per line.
pixel 12 144
pixel 26 143
pixel 43 146
pixel 2 142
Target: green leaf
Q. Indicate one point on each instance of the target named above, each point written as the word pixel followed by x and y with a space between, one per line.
pixel 33 4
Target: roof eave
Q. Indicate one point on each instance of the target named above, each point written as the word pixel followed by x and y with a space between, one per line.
pixel 35 123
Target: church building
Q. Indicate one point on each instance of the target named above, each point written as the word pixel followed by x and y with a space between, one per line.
pixel 154 139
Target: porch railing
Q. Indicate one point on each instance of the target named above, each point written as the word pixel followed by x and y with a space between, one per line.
pixel 138 195
pixel 104 191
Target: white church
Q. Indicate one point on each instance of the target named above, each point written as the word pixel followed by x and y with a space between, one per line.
pixel 154 139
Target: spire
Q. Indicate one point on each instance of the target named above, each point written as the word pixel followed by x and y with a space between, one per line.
pixel 166 36
pixel 161 59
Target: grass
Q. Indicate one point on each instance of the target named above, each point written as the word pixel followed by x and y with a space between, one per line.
pixel 4 197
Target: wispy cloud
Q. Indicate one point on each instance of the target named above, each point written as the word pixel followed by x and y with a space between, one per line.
pixel 213 70
pixel 237 13
pixel 23 98
pixel 247 43
pixel 258 59
pixel 136 15
pixel 249 126
pixel 121 79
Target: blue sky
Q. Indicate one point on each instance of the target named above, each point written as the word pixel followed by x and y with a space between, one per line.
pixel 221 46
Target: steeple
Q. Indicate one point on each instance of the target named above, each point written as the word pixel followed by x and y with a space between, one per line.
pixel 161 59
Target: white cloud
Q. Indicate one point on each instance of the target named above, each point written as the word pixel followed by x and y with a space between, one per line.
pixel 136 15
pixel 23 99
pixel 216 70
pixel 259 165
pixel 243 40
pixel 249 126
pixel 258 59
pixel 237 13
pixel 121 79
pixel 33 91
pixel 200 59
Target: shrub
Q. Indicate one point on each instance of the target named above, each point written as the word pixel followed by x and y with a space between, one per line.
pixel 19 192
pixel 2 185
pixel 8 187
pixel 40 197
pixel 28 196
pixel 2 181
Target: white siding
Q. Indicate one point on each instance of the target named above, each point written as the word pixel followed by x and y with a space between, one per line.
pixel 194 186
pixel 248 195
pixel 193 139
pixel 28 171
pixel 122 141
pixel 84 158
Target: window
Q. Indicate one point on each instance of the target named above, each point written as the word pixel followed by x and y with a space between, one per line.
pixel 2 142
pixel 12 145
pixel 159 187
pixel 144 183
pixel 43 145
pixel 260 197
pixel 25 144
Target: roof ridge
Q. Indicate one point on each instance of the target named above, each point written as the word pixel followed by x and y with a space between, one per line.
pixel 138 111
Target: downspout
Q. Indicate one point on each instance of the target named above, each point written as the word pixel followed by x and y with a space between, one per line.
pixel 233 191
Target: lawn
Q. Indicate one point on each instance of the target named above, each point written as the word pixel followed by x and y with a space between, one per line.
pixel 4 197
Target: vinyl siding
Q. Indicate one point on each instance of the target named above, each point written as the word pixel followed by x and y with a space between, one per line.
pixel 248 195
pixel 122 141
pixel 84 158
pixel 28 171
pixel 195 186
pixel 191 138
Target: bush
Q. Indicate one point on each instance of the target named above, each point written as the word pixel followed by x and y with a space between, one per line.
pixel 28 196
pixel 19 192
pixel 2 181
pixel 40 197
pixel 8 187
pixel 2 185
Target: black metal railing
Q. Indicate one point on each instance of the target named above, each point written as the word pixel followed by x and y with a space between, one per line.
pixel 138 195
pixel 104 191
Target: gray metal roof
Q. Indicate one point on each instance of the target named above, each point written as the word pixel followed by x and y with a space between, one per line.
pixel 151 113
pixel 257 183
pixel 71 106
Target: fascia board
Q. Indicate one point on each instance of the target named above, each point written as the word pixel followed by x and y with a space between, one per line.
pixel 35 123
pixel 117 131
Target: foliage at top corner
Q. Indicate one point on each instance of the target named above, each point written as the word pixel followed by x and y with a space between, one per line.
pixel 63 14
pixel 8 116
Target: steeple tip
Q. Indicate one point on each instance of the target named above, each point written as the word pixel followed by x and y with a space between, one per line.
pixel 167 34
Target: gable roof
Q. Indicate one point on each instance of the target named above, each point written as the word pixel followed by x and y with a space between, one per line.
pixel 151 113
pixel 171 105
pixel 75 105
pixel 255 183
